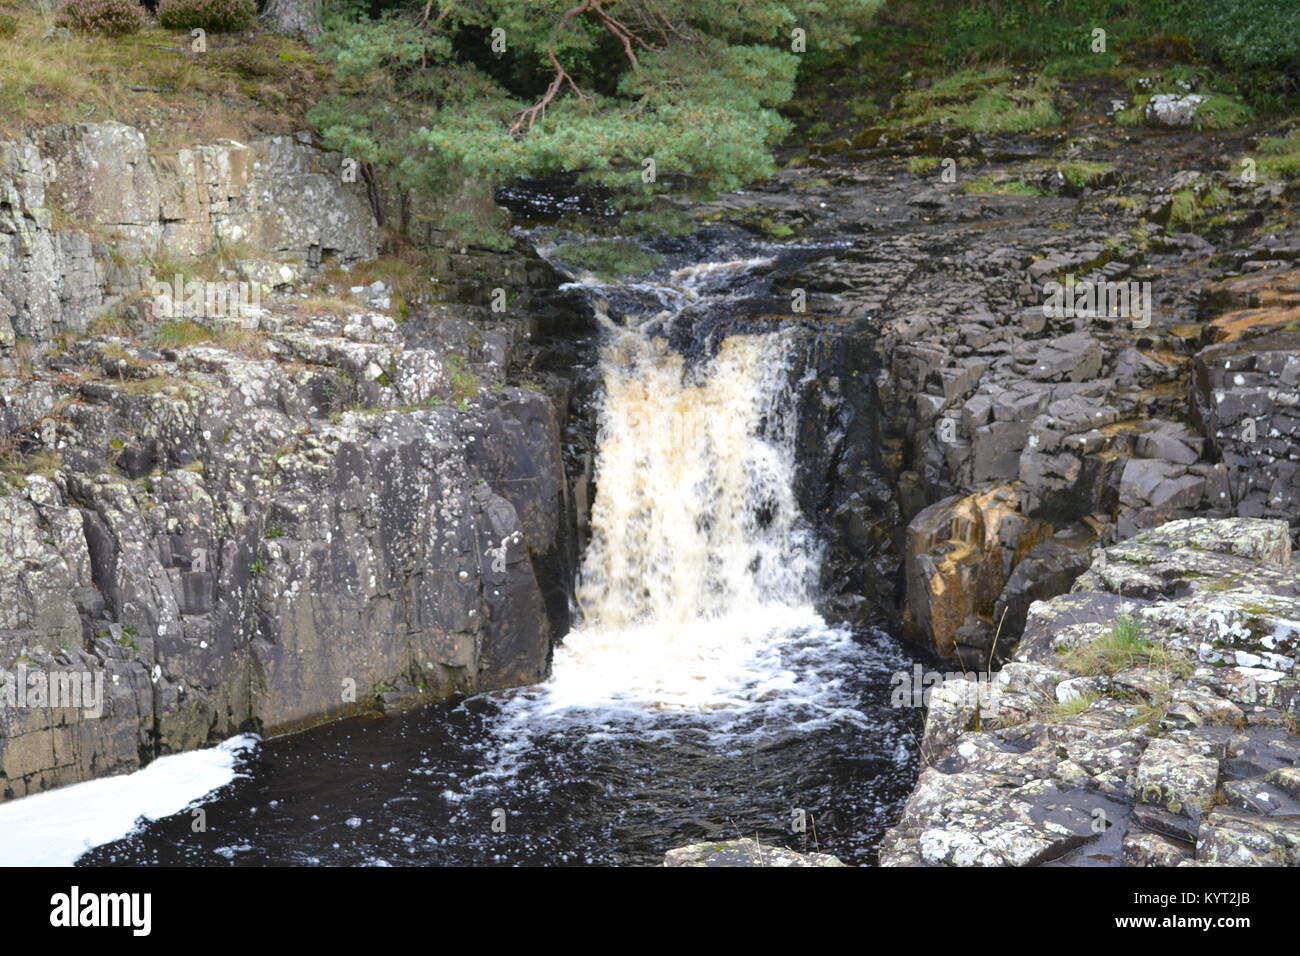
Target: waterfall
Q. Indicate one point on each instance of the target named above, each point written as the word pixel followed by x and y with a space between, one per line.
pixel 699 555
pixel 695 594
pixel 695 516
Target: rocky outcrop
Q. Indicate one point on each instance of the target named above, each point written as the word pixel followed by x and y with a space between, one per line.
pixel 960 553
pixel 1149 717
pixel 744 853
pixel 1246 395
pixel 1120 454
pixel 302 513
pixel 89 214
pixel 1159 388
pixel 842 481
pixel 1173 109
pixel 278 539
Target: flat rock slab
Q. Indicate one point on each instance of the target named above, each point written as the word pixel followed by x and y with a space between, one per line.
pixel 744 853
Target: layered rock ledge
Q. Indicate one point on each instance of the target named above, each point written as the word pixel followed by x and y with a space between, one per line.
pixel 268 520
pixel 1148 718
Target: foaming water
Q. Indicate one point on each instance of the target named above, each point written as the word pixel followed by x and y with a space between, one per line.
pixel 696 588
pixel 700 696
pixel 695 516
pixel 56 827
pixel 699 564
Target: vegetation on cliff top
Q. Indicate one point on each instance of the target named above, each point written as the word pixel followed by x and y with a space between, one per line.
pixel 446 98
pixel 239 86
pixel 630 94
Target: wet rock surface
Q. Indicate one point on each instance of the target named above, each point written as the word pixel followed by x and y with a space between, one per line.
pixel 744 853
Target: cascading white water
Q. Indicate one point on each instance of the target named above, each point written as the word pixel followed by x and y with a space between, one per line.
pixel 695 593
pixel 696 518
pixel 698 550
pixel 699 561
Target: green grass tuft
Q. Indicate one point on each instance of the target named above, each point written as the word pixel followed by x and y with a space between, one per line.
pixel 1120 648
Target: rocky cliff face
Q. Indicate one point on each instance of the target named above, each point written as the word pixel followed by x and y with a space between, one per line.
pixel 842 481
pixel 1085 427
pixel 85 209
pixel 302 516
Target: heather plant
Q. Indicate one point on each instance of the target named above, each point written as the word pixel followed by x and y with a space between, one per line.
pixel 109 18
pixel 215 16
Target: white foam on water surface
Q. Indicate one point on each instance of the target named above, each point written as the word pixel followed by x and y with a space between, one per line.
pixel 57 827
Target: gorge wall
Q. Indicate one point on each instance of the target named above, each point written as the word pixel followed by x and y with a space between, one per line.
pixel 1012 442
pixel 317 512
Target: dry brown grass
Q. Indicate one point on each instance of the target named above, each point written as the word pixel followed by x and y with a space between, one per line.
pixel 406 269
pixel 236 338
pixel 327 304
pixel 242 86
pixel 15 466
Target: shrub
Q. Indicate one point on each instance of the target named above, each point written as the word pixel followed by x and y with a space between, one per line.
pixel 109 18
pixel 608 258
pixel 1255 34
pixel 217 16
pixel 1281 157
pixel 8 26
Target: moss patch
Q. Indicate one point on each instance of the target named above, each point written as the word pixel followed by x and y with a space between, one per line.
pixel 982 101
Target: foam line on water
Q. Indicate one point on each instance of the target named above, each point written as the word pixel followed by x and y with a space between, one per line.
pixel 55 828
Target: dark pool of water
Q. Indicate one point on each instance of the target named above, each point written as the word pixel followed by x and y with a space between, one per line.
pixel 582 788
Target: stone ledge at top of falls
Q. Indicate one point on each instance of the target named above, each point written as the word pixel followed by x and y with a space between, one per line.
pixel 744 853
pixel 1181 749
pixel 121 204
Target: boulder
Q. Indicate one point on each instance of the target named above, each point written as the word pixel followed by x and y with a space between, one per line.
pixel 1173 109
pixel 958 555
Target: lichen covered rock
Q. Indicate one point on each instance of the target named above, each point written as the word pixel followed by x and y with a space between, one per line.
pixel 744 853
pixel 1150 717
pixel 328 515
